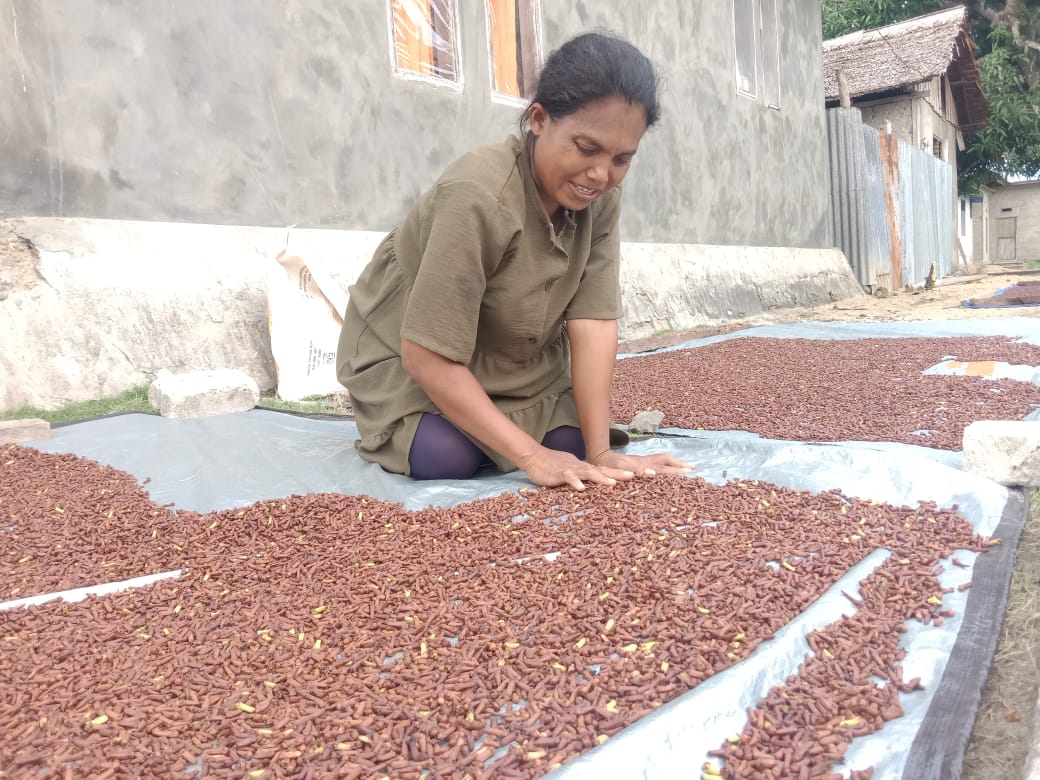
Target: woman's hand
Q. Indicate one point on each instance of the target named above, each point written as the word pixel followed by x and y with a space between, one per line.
pixel 552 468
pixel 644 465
pixel 593 347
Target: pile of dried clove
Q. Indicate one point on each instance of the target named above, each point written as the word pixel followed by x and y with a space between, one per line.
pixel 805 390
pixel 330 635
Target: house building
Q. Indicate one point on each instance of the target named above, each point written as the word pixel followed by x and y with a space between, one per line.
pixel 158 151
pixel 1006 224
pixel 917 80
pixel 337 114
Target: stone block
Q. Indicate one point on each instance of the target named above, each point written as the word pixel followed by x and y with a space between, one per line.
pixel 1006 451
pixel 647 421
pixel 203 393
pixel 28 429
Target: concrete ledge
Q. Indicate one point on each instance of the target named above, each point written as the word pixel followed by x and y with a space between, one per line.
pixel 203 393
pixel 129 298
pixel 689 286
pixel 1006 451
pixel 29 429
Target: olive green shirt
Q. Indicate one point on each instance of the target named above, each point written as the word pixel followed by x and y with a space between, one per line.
pixel 477 274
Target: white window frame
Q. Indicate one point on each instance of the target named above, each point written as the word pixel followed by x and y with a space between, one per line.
pixel 739 32
pixel 765 76
pixel 458 84
pixel 535 7
pixel 770 54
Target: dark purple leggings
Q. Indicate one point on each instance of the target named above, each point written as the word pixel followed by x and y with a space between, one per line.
pixel 441 451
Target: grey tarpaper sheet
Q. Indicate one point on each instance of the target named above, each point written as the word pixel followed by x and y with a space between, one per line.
pixel 235 460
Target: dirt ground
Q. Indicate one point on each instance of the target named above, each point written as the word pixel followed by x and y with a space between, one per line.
pixel 1006 726
pixel 941 303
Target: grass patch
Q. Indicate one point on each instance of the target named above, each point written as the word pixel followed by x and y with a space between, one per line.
pixel 133 400
pixel 319 404
pixel 136 400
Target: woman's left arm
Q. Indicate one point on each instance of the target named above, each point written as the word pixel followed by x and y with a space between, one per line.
pixel 593 346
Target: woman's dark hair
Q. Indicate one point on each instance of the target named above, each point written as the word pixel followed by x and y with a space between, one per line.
pixel 594 66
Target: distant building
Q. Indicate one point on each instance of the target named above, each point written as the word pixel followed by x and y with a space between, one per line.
pixel 917 80
pixel 1006 224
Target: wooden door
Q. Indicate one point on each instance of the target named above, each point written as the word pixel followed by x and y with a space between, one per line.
pixel 1006 230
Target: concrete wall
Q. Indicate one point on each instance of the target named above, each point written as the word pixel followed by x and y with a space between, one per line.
pixel 1022 201
pixel 90 318
pixel 723 169
pixel 273 112
pixel 930 125
pixel 897 111
pixel 978 233
pixel 258 112
pixel 967 241
pixel 915 120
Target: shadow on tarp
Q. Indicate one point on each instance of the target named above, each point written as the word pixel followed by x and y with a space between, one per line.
pixel 239 459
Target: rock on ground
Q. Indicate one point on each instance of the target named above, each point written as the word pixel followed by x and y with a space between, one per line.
pixel 203 393
pixel 1006 451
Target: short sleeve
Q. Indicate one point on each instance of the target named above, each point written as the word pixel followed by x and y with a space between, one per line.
pixel 465 233
pixel 599 292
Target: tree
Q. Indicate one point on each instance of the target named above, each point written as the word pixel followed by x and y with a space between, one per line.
pixel 1008 36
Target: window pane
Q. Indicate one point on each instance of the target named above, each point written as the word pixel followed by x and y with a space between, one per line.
pixel 770 55
pixel 512 35
pixel 444 16
pixel 424 38
pixel 744 28
pixel 504 59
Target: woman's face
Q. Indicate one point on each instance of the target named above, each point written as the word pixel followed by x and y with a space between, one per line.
pixel 578 157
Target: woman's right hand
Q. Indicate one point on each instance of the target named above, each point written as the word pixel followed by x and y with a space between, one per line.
pixel 455 391
pixel 552 468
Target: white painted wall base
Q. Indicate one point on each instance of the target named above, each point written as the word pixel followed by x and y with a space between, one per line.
pixel 108 303
pixel 683 286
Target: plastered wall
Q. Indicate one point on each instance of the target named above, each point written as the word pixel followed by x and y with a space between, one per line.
pixel 899 112
pixel 275 112
pixel 96 307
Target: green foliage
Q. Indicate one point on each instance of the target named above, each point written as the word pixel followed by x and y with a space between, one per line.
pixel 136 400
pixel 133 400
pixel 1010 74
pixel 317 404
pixel 841 17
pixel 1011 144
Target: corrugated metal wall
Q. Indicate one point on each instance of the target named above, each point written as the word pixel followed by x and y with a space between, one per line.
pixel 892 204
pixel 926 195
pixel 858 195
